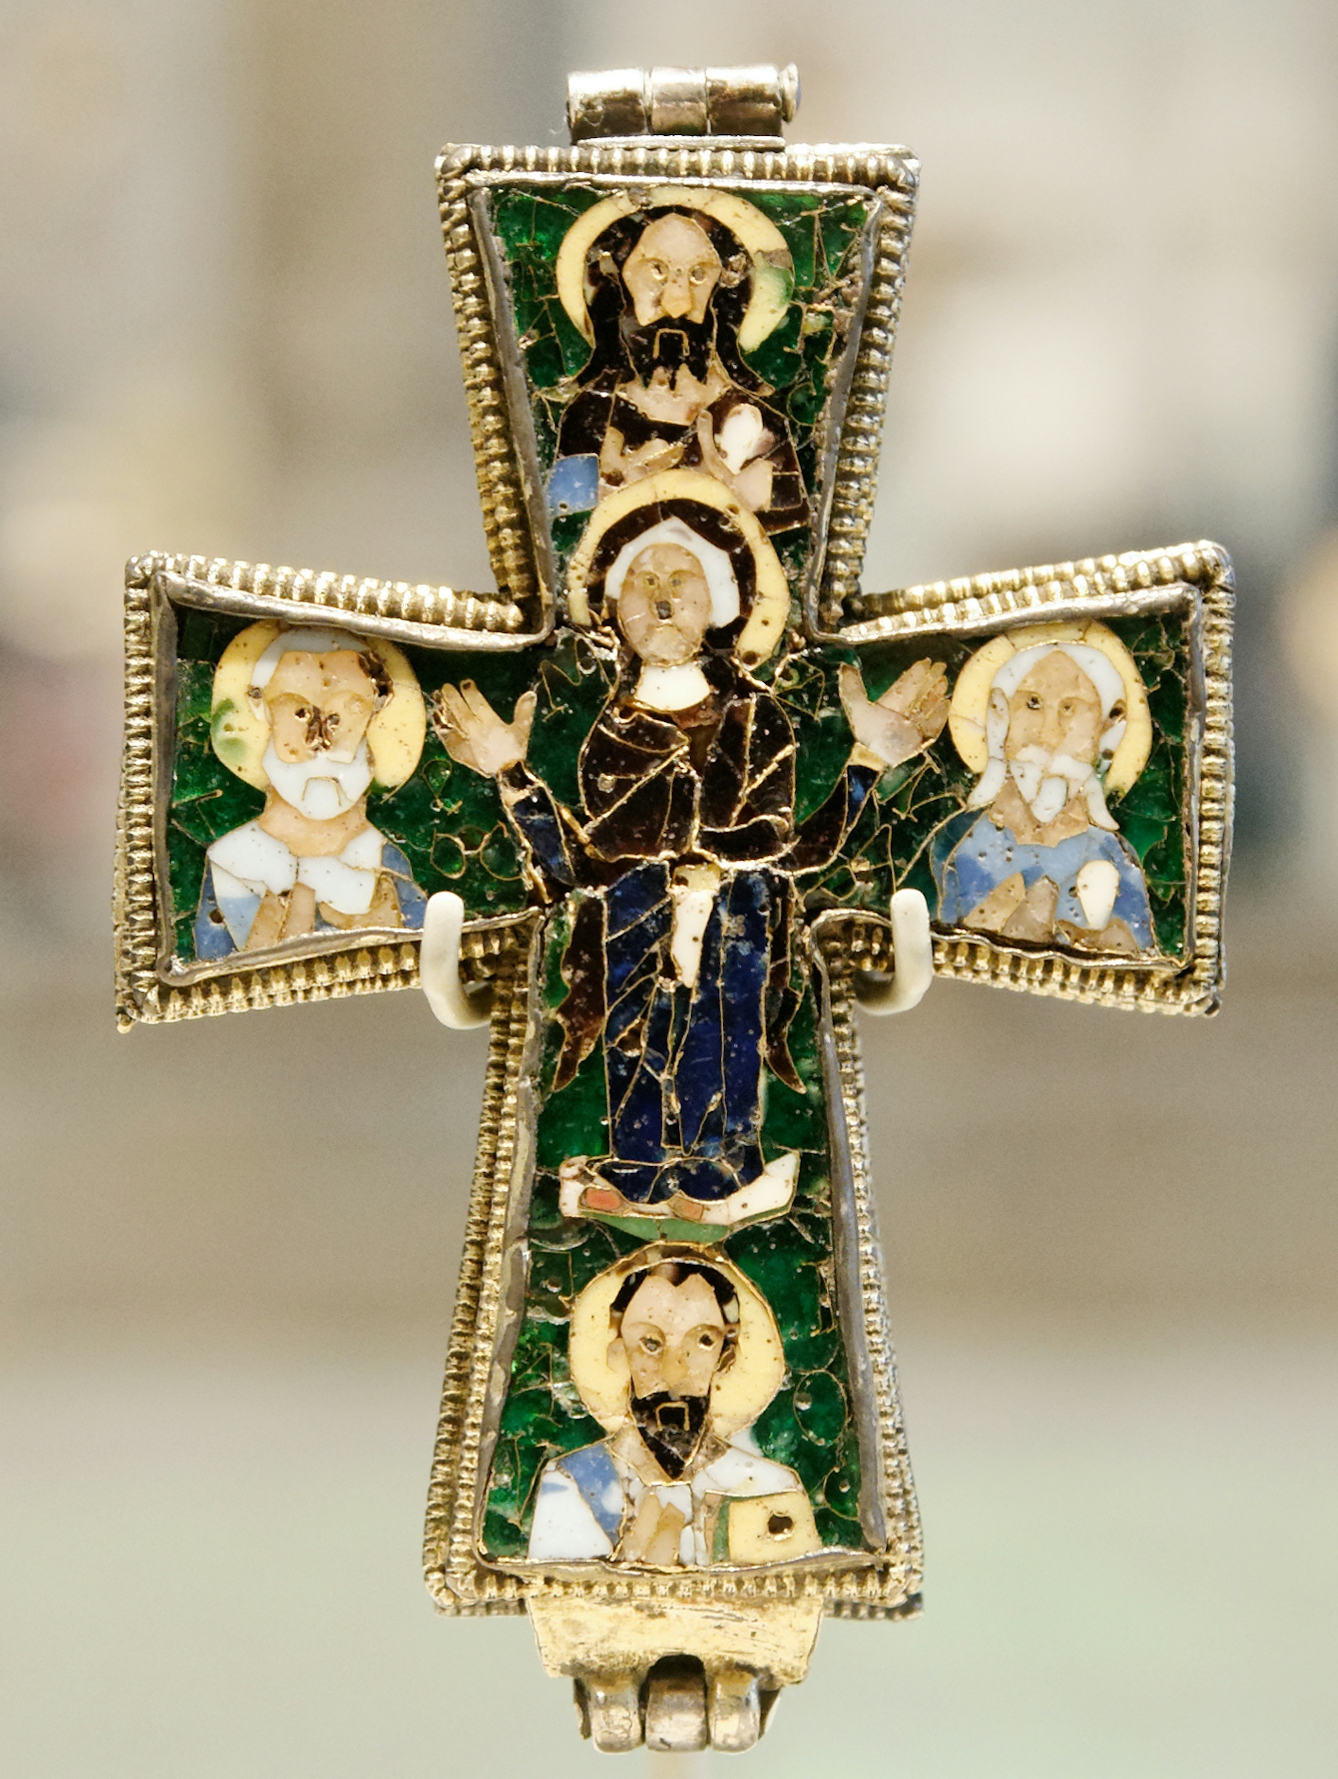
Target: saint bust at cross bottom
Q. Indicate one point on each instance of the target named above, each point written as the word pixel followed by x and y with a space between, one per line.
pixel 676 1356
pixel 685 858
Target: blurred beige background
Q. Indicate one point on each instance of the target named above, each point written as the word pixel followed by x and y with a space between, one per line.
pixel 228 1250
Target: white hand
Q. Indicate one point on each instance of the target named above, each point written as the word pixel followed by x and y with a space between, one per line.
pixel 1098 884
pixel 908 716
pixel 473 734
pixel 741 433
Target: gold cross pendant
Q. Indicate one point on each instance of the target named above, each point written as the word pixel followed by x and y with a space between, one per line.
pixel 666 807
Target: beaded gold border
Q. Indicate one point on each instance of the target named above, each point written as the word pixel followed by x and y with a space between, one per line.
pixel 512 507
pixel 525 609
pixel 1196 577
pixel 150 986
pixel 881 1583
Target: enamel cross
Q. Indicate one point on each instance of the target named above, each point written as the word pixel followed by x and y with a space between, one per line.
pixel 665 807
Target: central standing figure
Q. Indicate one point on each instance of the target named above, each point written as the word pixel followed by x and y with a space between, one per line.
pixel 681 952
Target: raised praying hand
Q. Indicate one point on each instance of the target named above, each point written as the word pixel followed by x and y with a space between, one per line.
pixel 653 1536
pixel 908 716
pixel 474 735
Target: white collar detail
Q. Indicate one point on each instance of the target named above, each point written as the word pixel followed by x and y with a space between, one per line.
pixel 672 688
pixel 263 863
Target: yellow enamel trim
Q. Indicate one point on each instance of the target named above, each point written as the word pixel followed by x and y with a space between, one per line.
pixel 771 600
pixel 240 733
pixel 773 268
pixel 751 1521
pixel 966 716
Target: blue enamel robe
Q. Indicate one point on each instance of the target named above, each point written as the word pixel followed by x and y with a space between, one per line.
pixel 971 855
pixel 684 1064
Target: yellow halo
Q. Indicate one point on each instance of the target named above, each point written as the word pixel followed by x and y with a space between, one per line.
pixel 966 715
pixel 771 597
pixel 239 729
pixel 738 1394
pixel 772 266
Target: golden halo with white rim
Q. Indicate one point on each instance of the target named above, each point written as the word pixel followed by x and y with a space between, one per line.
pixel 739 1393
pixel 966 715
pixel 239 729
pixel 772 265
pixel 765 625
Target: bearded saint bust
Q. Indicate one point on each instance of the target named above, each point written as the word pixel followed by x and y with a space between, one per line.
pixel 665 1489
pixel 1042 862
pixel 667 387
pixel 311 861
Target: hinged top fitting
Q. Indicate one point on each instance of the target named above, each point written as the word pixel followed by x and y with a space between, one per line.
pixel 752 102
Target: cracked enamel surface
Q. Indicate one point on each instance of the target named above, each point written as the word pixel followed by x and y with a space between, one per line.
pixel 770 283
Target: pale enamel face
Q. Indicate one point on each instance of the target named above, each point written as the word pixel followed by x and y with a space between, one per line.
pixel 672 271
pixel 1056 709
pixel 319 704
pixel 664 606
pixel 673 1336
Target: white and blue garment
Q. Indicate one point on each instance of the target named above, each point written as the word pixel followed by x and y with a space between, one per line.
pixel 245 863
pixel 587 1496
pixel 971 855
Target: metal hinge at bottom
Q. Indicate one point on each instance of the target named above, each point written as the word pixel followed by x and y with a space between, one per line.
pixel 674 1676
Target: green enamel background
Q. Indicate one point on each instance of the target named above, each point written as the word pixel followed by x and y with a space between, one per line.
pixel 888 847
pixel 823 233
pixel 807 1426
pixel 447 819
pixel 450 823
pixel 451 826
pixel 206 799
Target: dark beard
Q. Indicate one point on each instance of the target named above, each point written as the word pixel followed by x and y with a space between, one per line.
pixel 671 1427
pixel 673 345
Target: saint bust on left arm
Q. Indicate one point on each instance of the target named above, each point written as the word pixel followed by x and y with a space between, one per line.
pixel 314 718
